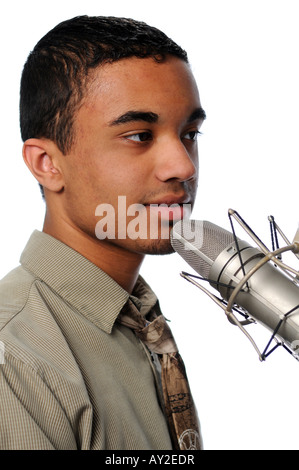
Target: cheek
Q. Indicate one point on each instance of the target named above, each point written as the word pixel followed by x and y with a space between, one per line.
pixel 101 173
pixel 122 176
pixel 104 185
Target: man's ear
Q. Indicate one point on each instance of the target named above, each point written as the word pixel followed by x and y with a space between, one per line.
pixel 41 157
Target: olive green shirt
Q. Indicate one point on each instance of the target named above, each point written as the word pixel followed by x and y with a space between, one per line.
pixel 71 376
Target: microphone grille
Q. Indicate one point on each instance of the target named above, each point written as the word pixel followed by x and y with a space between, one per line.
pixel 199 243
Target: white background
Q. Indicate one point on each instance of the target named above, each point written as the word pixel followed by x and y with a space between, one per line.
pixel 244 55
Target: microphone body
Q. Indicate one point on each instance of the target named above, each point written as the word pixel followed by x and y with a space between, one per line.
pixel 267 296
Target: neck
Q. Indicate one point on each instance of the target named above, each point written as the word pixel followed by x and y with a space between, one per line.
pixel 120 264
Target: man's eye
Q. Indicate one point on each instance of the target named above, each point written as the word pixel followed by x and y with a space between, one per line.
pixel 192 135
pixel 140 137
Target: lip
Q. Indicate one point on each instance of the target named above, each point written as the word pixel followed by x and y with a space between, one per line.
pixel 171 209
pixel 169 200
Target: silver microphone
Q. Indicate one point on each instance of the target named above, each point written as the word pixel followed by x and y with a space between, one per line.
pixel 267 294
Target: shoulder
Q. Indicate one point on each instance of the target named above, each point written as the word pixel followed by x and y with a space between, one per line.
pixel 14 291
pixel 28 331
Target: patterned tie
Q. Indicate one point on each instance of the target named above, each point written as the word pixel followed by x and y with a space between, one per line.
pixel 180 410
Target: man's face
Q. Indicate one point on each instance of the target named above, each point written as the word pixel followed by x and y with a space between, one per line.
pixel 135 143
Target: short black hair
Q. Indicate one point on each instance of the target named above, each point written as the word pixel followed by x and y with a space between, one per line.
pixel 55 74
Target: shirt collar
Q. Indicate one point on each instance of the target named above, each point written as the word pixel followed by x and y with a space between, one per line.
pixel 81 283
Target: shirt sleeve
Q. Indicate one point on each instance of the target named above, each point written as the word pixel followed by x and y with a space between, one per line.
pixel 31 417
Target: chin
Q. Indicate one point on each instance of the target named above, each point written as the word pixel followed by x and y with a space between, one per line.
pixel 145 246
pixel 154 247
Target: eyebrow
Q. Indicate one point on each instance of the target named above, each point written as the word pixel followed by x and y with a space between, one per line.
pixel 198 113
pixel 131 116
pixel 148 116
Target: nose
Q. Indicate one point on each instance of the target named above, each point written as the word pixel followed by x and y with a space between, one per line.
pixel 175 161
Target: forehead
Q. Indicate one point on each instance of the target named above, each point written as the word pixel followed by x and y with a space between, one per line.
pixel 142 83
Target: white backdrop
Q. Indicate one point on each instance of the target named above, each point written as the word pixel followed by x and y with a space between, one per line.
pixel 244 54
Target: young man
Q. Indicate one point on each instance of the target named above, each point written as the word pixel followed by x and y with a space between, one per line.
pixel 110 113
